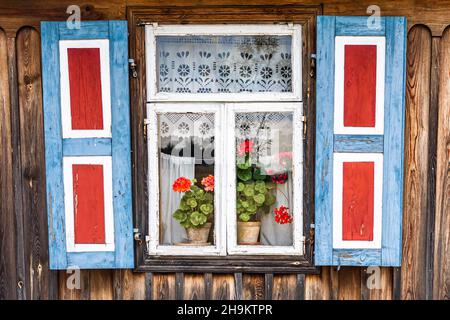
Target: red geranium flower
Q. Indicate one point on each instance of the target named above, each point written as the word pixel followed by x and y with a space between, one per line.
pixel 282 215
pixel 245 147
pixel 208 183
pixel 280 178
pixel 182 184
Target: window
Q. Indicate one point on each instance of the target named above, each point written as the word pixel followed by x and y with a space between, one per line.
pixel 225 140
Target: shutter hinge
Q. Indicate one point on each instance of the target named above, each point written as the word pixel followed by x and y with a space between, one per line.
pixel 133 67
pixel 312 71
pixel 137 236
pixel 303 119
pixel 146 123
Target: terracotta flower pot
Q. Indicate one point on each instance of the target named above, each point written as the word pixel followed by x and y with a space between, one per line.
pixel 248 232
pixel 198 235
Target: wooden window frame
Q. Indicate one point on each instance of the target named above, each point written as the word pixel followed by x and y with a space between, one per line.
pixel 138 17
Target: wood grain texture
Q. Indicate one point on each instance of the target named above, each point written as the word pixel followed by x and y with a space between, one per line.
pixel 318 287
pixel 284 287
pixel 441 282
pixel 42 281
pixel 369 289
pixel 194 287
pixel 223 287
pixel 8 274
pixel 163 286
pixel 128 285
pixel 416 164
pixel 101 285
pixel 253 287
pixel 349 287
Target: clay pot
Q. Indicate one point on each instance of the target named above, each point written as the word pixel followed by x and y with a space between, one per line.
pixel 198 235
pixel 248 232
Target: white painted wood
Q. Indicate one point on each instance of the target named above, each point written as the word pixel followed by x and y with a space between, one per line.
pixel 66 118
pixel 232 247
pixel 152 31
pixel 218 248
pixel 340 43
pixel 338 160
pixel 106 162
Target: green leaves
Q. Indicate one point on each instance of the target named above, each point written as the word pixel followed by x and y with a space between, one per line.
pixel 206 208
pixel 191 202
pixel 259 198
pixel 197 219
pixel 179 215
pixel 244 217
pixel 244 174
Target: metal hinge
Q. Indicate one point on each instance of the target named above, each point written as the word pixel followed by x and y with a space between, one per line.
pixel 312 71
pixel 146 123
pixel 303 119
pixel 137 236
pixel 133 67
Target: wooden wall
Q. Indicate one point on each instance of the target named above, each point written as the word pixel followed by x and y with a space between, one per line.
pixel 425 272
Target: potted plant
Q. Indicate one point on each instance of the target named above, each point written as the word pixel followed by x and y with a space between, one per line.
pixel 196 208
pixel 255 194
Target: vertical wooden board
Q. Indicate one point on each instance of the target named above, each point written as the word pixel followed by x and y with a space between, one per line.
pixel 163 286
pixel 194 287
pixel 416 186
pixel 349 283
pixel 360 66
pixel 318 286
pixel 284 287
pixel 369 283
pixel 441 287
pixel 42 281
pixel 101 284
pixel 8 276
pixel 128 285
pixel 253 287
pixel 73 285
pixel 223 287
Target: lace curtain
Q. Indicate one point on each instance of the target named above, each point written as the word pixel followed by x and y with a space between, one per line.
pixel 224 64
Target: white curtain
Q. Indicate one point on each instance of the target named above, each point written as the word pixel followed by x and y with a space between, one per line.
pixel 171 168
pixel 272 233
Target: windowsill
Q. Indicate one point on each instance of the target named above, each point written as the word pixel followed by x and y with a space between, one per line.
pixel 214 264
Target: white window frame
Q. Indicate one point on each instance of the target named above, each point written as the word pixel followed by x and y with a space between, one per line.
pixel 154 30
pixel 297 169
pixel 154 247
pixel 224 106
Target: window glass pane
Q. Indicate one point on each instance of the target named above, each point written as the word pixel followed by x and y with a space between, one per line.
pixel 224 64
pixel 186 175
pixel 264 191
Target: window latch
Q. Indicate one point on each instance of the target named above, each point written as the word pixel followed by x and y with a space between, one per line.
pixel 146 123
pixel 133 67
pixel 303 119
pixel 312 70
pixel 137 236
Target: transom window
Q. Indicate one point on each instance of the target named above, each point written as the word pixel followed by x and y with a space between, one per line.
pixel 225 140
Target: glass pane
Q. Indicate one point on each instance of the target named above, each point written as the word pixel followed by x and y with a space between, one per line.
pixel 186 171
pixel 264 191
pixel 224 64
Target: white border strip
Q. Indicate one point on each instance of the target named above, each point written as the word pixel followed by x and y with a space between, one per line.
pixel 106 161
pixel 66 116
pixel 297 162
pixel 339 159
pixel 340 43
pixel 152 31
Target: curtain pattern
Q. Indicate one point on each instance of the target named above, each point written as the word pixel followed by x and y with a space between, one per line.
pixel 224 64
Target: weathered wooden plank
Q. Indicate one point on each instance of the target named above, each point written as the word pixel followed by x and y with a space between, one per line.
pixel 284 287
pixel 349 283
pixel 358 143
pixel 101 284
pixel 42 281
pixel 349 26
pixel 194 287
pixel 179 286
pixel 8 272
pixel 376 283
pixel 74 285
pixel 208 285
pixel 318 286
pixel 268 286
pixel 128 285
pixel 415 211
pixel 163 286
pixel 253 287
pixel 83 146
pixel 223 287
pixel 441 288
pixel 238 285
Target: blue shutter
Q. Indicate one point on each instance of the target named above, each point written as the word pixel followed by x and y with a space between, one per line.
pixel 331 145
pixel 116 147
